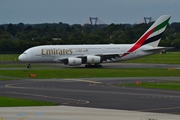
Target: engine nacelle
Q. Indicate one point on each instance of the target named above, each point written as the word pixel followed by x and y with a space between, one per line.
pixel 93 59
pixel 74 61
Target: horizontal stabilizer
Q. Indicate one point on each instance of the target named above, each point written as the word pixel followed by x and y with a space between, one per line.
pixel 158 48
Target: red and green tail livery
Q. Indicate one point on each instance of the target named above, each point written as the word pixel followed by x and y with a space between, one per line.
pixel 152 36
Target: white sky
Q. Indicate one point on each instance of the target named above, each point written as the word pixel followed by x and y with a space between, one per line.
pixel 78 11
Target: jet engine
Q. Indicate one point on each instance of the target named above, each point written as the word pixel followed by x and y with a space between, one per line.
pixel 93 59
pixel 74 61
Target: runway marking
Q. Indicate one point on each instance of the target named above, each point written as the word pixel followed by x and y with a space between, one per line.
pixel 156 109
pixel 140 94
pixel 159 97
pixel 23 118
pixel 66 99
pixel 21 114
pixel 81 80
pixel 12 85
pixel 39 113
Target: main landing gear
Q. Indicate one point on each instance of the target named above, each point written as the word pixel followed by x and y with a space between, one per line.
pixel 29 66
pixel 93 66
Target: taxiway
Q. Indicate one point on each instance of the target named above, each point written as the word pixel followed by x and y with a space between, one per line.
pixel 99 92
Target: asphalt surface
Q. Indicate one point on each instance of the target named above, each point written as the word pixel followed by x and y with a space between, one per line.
pixel 97 92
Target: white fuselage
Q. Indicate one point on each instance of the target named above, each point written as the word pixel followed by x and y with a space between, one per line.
pixel 56 53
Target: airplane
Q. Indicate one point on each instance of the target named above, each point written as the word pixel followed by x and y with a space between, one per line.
pixel 94 55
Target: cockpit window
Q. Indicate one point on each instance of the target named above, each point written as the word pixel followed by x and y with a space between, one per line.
pixel 24 53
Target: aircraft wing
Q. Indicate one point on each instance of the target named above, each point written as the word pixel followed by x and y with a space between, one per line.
pixel 105 57
pixel 109 56
pixel 158 49
pixel 62 60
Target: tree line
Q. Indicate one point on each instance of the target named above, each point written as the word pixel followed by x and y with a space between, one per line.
pixel 15 38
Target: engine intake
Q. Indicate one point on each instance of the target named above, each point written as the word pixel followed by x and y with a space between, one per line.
pixel 74 61
pixel 93 59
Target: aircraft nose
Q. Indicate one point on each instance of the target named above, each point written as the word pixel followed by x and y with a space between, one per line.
pixel 22 57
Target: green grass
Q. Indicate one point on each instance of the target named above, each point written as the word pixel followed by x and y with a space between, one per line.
pixel 168 58
pixel 88 73
pixel 23 65
pixel 2 79
pixel 170 85
pixel 9 57
pixel 13 102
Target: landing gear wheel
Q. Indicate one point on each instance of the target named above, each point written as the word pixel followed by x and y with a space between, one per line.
pixel 93 66
pixel 88 66
pixel 29 66
pixel 98 66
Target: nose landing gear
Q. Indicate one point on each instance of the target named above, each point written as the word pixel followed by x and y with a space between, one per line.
pixel 29 66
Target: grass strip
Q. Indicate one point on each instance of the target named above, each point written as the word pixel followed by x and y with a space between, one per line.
pixel 90 73
pixel 9 57
pixel 2 79
pixel 24 65
pixel 168 85
pixel 168 58
pixel 14 102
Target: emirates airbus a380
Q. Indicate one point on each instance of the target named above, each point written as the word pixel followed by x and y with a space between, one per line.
pixel 94 55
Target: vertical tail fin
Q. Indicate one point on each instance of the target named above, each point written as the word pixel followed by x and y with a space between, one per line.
pixel 153 35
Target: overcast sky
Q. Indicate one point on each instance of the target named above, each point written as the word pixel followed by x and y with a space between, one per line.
pixel 78 11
